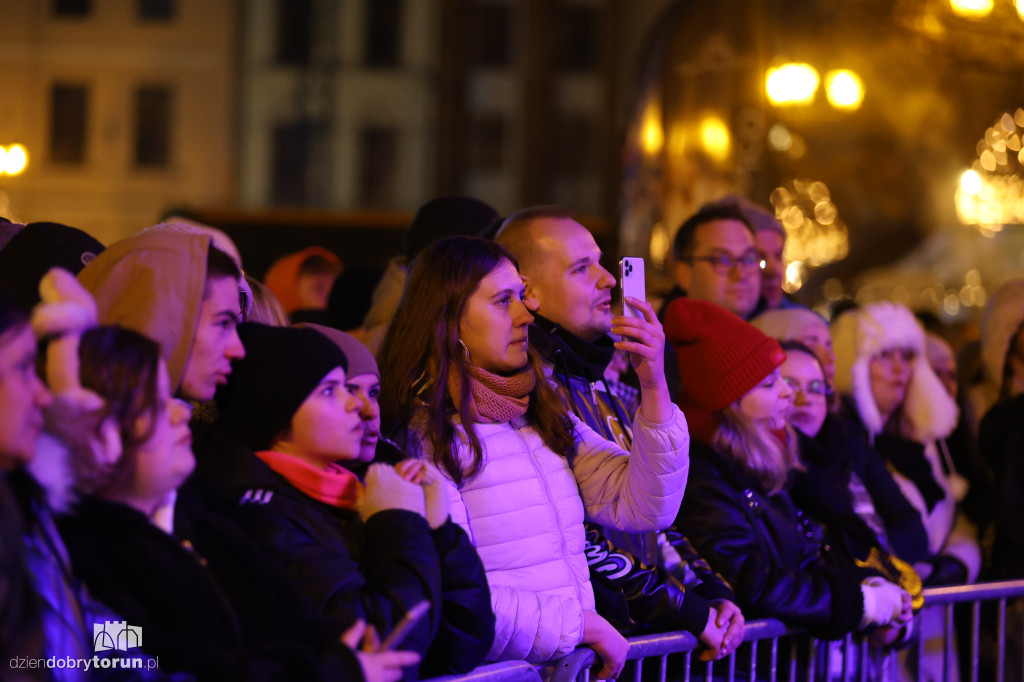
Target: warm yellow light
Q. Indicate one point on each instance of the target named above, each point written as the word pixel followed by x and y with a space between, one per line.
pixel 714 136
pixel 972 9
pixel 14 160
pixel 844 89
pixel 792 84
pixel 651 135
pixel 1020 8
pixel 970 182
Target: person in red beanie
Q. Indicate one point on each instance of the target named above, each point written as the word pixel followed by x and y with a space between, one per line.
pixel 303 280
pixel 736 510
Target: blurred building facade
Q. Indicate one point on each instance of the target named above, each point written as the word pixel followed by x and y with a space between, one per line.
pixel 126 107
pixel 387 103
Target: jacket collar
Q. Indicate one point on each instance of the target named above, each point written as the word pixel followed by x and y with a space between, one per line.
pixel 568 352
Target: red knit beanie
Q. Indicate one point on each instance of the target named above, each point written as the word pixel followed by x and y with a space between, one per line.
pixel 720 356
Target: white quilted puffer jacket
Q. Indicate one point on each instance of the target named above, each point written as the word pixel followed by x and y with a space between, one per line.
pixel 524 512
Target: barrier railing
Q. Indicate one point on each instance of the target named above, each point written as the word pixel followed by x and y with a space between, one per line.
pixel 769 644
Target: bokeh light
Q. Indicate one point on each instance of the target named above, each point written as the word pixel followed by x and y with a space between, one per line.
pixel 971 9
pixel 844 89
pixel 990 194
pixel 792 84
pixel 715 138
pixel 815 234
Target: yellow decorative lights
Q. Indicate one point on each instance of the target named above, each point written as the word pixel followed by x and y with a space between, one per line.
pixel 13 159
pixel 991 194
pixel 815 235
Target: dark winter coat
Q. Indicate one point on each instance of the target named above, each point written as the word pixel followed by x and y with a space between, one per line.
pixel 767 549
pixel 823 490
pixel 207 599
pixel 1001 437
pixel 350 570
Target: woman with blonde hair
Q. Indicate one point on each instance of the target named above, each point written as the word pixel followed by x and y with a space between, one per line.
pixel 736 510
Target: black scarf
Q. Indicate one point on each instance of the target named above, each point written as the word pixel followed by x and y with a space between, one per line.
pixel 568 352
pixel 908 458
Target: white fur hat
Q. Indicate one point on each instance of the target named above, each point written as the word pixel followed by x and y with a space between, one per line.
pixel 857 335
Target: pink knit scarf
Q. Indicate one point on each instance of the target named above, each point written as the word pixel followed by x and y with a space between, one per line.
pixel 494 399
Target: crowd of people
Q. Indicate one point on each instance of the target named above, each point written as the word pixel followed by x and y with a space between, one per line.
pixel 498 459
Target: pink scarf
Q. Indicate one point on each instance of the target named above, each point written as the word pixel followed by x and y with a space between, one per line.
pixel 494 399
pixel 335 485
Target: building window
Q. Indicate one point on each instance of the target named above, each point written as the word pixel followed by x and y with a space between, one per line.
pixel 153 126
pixel 487 142
pixel 378 155
pixel 492 36
pixel 298 149
pixel 68 124
pixel 72 8
pixel 383 33
pixel 294 32
pixel 157 10
pixel 578 38
pixel 574 148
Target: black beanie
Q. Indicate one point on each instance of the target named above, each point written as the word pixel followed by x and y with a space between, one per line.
pixel 38 247
pixel 281 367
pixel 447 216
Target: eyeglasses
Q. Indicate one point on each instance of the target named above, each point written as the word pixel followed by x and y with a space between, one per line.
pixel 816 387
pixel 723 263
pixel 888 355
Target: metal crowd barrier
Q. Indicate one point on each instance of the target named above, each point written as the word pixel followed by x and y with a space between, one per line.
pixel 773 651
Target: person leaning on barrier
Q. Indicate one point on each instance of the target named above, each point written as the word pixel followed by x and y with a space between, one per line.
pixel 560 264
pixel 736 508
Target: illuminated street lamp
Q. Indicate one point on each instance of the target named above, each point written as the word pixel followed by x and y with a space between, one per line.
pixel 13 159
pixel 844 89
pixel 792 84
pixel 973 9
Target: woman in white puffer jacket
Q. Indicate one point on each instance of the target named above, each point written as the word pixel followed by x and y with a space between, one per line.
pixel 524 473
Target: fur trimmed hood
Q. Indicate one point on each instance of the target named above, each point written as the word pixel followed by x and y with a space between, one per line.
pixel 928 410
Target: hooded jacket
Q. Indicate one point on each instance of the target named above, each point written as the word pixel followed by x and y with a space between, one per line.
pixel 928 413
pixel 153 283
pixel 283 276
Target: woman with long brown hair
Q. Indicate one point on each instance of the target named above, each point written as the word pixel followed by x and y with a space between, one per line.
pixel 462 387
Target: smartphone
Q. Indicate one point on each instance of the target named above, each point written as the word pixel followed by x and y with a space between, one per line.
pixel 408 622
pixel 631 283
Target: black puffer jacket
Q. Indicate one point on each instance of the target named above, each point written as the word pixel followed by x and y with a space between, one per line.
pixel 350 570
pixel 767 549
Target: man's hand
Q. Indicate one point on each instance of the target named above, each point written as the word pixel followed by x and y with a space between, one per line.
pixel 607 643
pixel 644 340
pixel 728 624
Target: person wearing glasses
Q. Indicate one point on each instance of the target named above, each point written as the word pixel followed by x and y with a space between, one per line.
pixel 844 484
pixel 716 258
pixel 737 510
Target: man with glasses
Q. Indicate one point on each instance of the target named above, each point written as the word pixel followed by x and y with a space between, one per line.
pixel 716 258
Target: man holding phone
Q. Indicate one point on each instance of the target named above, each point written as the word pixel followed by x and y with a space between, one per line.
pixel 560 264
